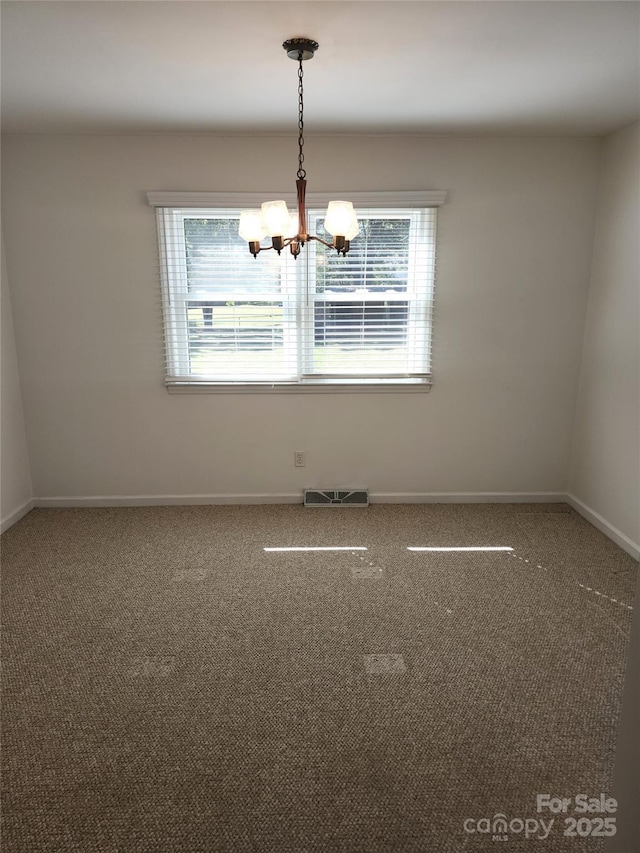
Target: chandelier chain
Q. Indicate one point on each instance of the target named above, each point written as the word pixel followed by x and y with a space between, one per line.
pixel 301 172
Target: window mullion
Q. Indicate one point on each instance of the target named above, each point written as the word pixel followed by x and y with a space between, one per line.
pixel 289 291
pixel 307 302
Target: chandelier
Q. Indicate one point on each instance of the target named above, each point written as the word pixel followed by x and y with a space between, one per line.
pixel 274 218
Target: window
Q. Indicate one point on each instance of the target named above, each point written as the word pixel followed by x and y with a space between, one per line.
pixel 323 322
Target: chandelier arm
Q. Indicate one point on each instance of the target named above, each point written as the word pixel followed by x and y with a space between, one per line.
pixel 320 240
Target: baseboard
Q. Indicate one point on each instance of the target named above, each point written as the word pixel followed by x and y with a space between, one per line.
pixel 628 545
pixel 16 515
pixel 466 497
pixel 296 498
pixel 168 500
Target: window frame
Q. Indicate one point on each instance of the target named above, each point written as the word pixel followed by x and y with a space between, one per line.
pixel 166 204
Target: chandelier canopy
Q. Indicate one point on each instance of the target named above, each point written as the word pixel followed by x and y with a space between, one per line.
pixel 274 218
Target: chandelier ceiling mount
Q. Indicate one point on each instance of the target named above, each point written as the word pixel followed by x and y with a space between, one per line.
pixel 294 47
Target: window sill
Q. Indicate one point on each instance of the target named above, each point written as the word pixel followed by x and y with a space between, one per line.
pixel 372 386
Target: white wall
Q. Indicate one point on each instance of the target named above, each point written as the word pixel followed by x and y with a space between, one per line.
pixel 605 467
pixel 514 252
pixel 15 474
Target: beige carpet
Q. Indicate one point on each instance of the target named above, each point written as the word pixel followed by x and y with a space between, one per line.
pixel 170 686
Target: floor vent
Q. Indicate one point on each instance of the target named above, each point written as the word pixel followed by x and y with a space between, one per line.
pixel 340 497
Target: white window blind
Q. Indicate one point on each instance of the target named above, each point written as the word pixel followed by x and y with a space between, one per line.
pixel 320 321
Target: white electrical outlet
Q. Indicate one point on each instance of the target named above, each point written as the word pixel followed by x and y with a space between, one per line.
pixel 298 458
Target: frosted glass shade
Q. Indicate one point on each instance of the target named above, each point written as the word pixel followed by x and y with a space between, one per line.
pixel 341 220
pixel 354 230
pixel 251 228
pixel 275 218
pixel 292 227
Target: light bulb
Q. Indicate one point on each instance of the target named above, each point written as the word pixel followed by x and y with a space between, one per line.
pixel 251 228
pixel 275 218
pixel 341 219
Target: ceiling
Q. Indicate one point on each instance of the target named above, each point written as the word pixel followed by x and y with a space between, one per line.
pixel 492 68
